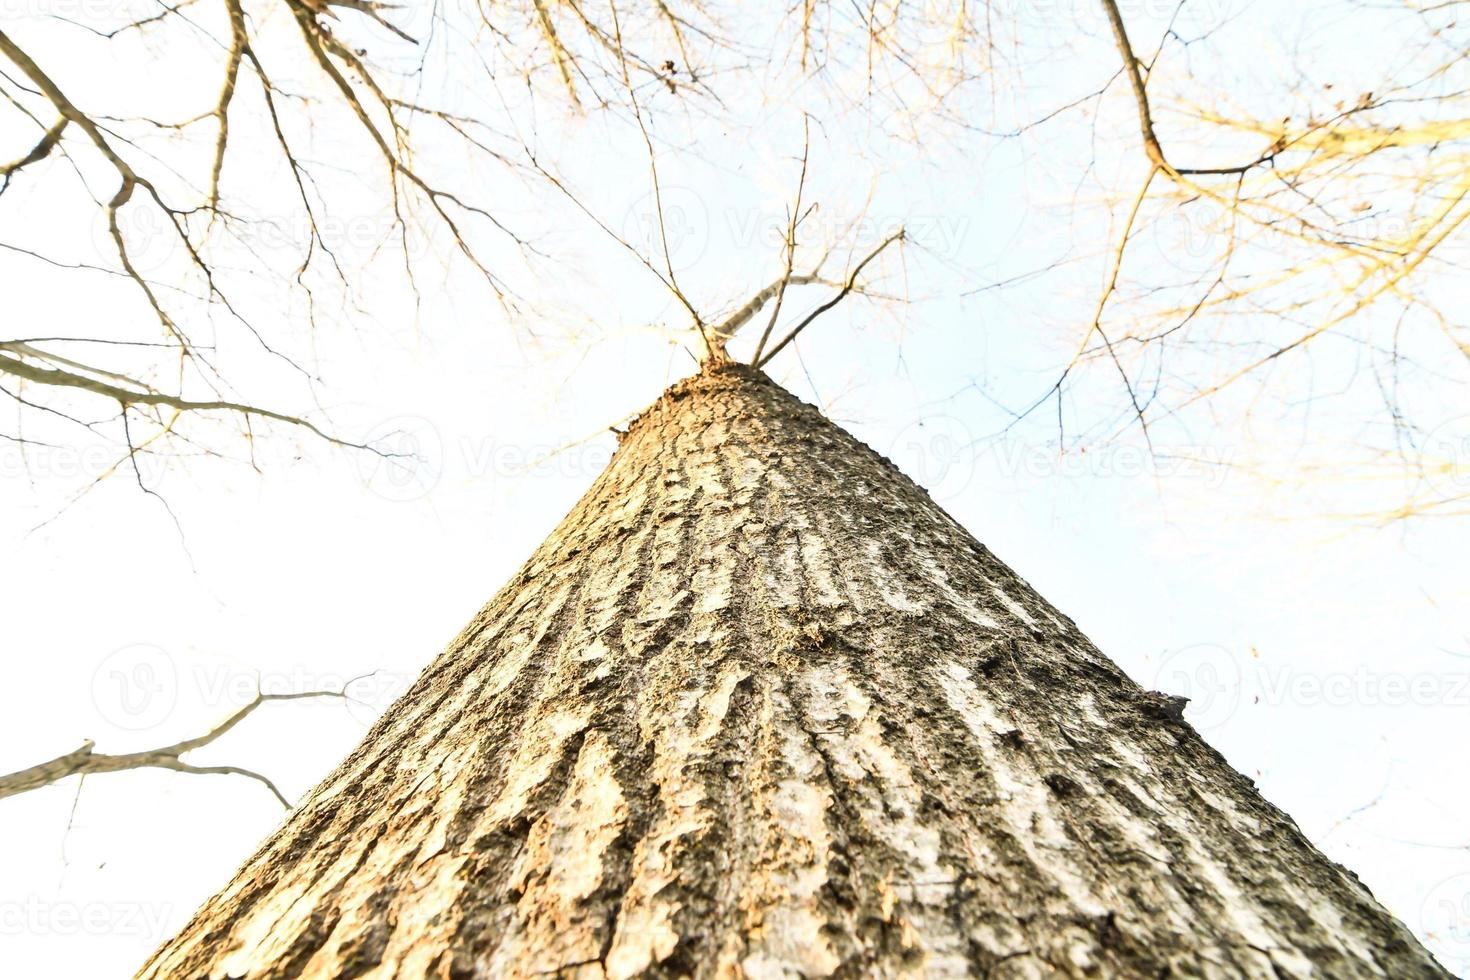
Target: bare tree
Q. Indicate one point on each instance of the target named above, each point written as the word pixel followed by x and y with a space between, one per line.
pixel 1332 218
pixel 758 707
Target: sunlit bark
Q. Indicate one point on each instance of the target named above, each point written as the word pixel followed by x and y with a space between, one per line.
pixel 758 707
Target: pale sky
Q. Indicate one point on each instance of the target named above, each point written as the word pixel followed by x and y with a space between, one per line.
pixel 1328 658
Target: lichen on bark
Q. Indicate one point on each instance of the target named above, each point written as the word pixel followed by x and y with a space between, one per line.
pixel 759 708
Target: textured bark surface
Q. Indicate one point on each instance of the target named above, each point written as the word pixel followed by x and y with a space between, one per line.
pixel 758 707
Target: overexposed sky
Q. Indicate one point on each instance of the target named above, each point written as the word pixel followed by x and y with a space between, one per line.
pixel 1328 657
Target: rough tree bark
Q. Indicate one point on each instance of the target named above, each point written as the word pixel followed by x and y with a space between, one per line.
pixel 758 707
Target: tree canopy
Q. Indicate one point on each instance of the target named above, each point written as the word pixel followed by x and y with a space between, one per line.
pixel 1251 210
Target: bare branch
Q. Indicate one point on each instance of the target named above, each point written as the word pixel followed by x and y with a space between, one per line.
pixel 847 287
pixel 141 394
pixel 712 351
pixel 84 761
pixel 792 221
pixel 1139 88
pixel 40 151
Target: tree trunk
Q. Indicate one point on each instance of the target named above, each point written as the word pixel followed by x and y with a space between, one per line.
pixel 758 707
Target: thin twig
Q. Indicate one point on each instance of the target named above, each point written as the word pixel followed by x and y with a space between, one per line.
pixel 792 221
pixel 84 761
pixel 847 287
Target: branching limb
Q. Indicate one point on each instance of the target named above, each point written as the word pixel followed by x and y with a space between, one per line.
pixel 559 54
pixel 239 41
pixel 128 391
pixel 848 286
pixel 40 151
pixel 793 221
pixel 728 327
pixel 84 761
pixel 1096 326
pixel 1151 144
pixel 712 351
